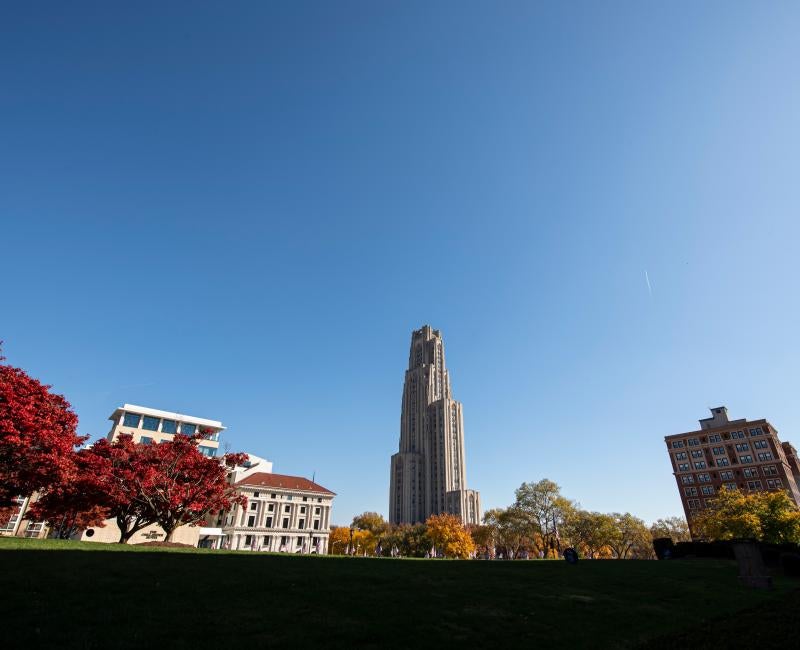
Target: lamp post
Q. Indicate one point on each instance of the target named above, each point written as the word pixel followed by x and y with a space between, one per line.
pixel 352 550
pixel 310 538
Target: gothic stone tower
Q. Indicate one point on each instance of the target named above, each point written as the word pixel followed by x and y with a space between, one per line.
pixel 429 472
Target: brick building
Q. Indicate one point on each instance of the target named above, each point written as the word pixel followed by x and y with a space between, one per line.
pixel 731 454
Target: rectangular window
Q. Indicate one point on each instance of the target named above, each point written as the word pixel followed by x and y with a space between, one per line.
pixel 700 464
pixel 722 462
pixel 715 438
pixel 767 455
pixel 316 511
pixel 683 467
pixel 718 451
pixel 253 505
pixel 188 429
pixel 770 470
pixel 286 522
pixel 742 446
pixel 708 489
pixel 727 475
pixel 287 508
pixel 754 485
pixel 146 440
pixel 207 451
pixel 251 521
pixel 746 459
pixel 305 498
pixel 169 426
pixel 248 540
pixel 269 522
pixel 750 472
pixel 694 442
pixel 150 423
pixel 132 420
pixel 316 524
pixel 704 478
pixel 687 478
pixel 272 496
pixel 738 435
pixel 681 455
pixel 690 491
pixel 697 453
pixel 730 486
pixel 774 483
pixel 288 497
pixel 677 444
pixel 694 504
pixel 271 507
pixel 756 432
pixel 302 510
pixel 301 524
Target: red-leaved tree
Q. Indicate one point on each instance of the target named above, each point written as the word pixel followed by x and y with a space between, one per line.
pixel 79 502
pixel 37 436
pixel 183 486
pixel 122 474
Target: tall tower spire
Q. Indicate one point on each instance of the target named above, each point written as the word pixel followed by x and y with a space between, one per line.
pixel 428 474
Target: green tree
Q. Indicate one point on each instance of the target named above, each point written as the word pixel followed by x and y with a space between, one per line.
pixel 631 537
pixel 544 507
pixel 591 532
pixel 675 528
pixel 766 516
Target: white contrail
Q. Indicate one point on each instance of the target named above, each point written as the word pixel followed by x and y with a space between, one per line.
pixel 649 288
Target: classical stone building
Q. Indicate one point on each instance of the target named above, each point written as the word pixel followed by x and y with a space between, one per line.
pixel 287 514
pixel 428 474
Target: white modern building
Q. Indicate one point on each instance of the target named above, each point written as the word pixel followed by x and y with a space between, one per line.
pixel 288 514
pixel 149 425
pixel 152 426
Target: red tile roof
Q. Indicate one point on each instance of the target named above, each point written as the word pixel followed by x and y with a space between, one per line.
pixel 264 479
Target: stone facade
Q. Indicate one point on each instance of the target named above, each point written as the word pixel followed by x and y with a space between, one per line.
pixel 428 474
pixel 288 514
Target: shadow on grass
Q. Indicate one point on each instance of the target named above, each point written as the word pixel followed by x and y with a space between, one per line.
pixel 117 597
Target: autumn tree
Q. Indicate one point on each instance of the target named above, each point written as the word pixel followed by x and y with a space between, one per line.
pixel 79 502
pixel 179 486
pixel 371 521
pixel 37 436
pixel 766 516
pixel 449 536
pixel 675 528
pixel 121 471
pixel 339 540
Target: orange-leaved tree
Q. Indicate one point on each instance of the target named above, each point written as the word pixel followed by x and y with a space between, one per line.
pixel 449 536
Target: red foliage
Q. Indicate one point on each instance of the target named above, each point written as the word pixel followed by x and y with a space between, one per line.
pixel 182 486
pixel 37 436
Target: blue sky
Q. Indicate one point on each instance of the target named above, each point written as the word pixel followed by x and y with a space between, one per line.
pixel 241 210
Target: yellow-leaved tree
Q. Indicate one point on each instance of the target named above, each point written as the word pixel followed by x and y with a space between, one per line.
pixel 449 536
pixel 766 516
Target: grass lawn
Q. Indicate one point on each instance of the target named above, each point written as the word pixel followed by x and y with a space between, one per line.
pixel 57 594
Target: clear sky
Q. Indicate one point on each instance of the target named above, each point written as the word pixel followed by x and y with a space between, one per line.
pixel 240 211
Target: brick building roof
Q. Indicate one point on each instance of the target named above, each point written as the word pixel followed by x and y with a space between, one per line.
pixel 264 479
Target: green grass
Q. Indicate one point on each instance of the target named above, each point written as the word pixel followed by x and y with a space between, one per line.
pixel 81 595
